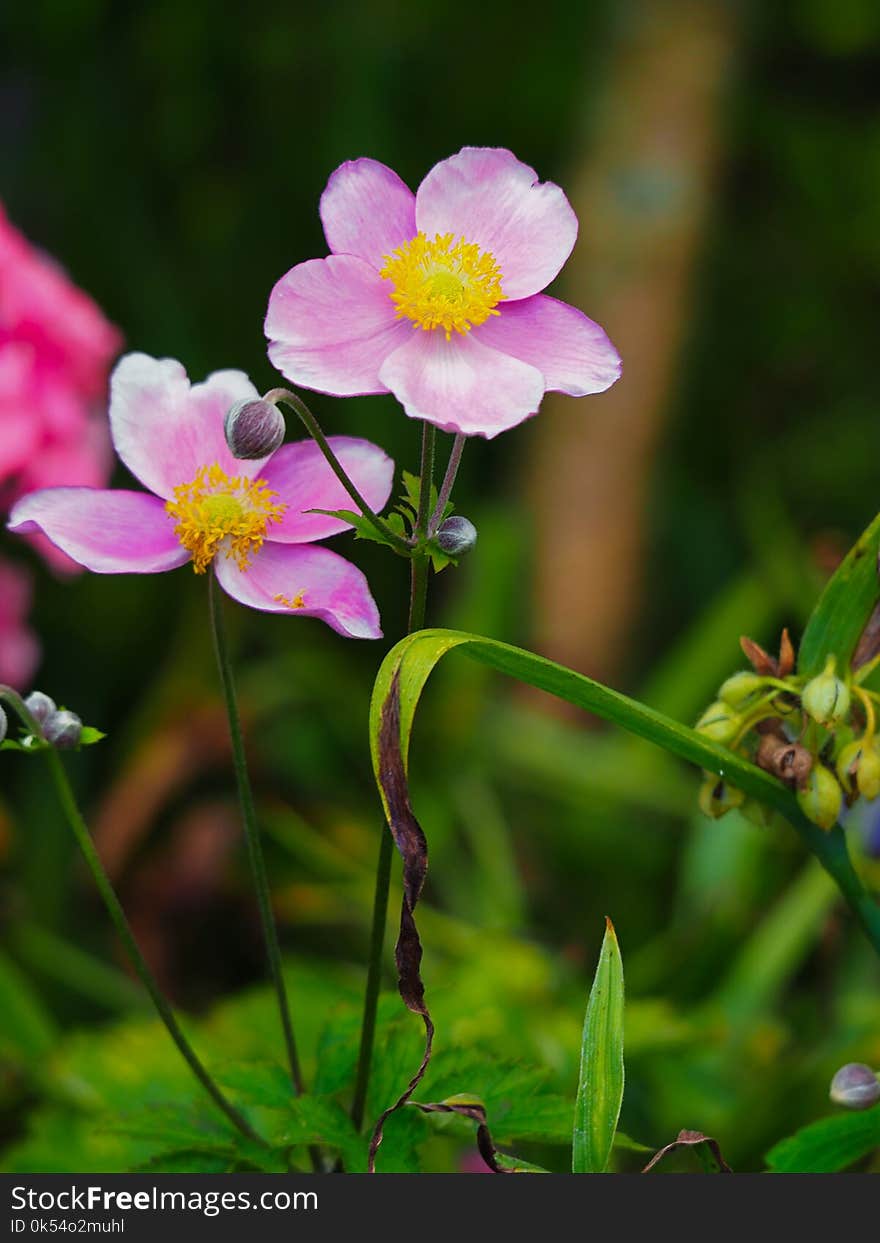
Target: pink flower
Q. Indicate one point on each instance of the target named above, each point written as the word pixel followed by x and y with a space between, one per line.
pixel 55 352
pixel 246 519
pixel 436 296
pixel 19 651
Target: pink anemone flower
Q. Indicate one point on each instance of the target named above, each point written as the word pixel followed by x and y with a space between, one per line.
pixel 436 296
pixel 247 520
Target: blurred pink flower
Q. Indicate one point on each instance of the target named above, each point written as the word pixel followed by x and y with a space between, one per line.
pixel 436 296
pixel 248 521
pixel 55 352
pixel 19 651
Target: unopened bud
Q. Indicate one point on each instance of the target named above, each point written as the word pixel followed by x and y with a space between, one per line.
pixel 63 730
pixel 821 797
pixel 717 797
pixel 719 722
pixel 40 706
pixel 740 687
pixel 254 428
pixel 825 697
pixel 855 1086
pixel 457 535
pixel 4 724
pixel 859 763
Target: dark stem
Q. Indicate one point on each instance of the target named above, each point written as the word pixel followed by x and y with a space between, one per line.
pixel 312 426
pixel 117 915
pixel 448 483
pixel 251 831
pixel 420 568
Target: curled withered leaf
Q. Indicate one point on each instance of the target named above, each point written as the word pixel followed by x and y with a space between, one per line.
pixel 787 658
pixel 469 1107
pixel 413 847
pixel 707 1149
pixel 762 662
pixel 787 760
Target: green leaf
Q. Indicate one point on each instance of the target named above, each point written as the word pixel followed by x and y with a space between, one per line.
pixel 409 664
pixel 90 736
pixel 186 1161
pixel 829 1145
pixel 600 1088
pixel 363 528
pixel 839 618
pixel 258 1083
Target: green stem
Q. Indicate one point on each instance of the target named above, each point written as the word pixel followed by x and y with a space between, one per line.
pixel 420 568
pixel 397 542
pixel 251 831
pixel 831 850
pixel 117 915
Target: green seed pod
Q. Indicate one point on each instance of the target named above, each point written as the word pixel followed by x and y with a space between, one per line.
pixel 821 797
pixel 868 772
pixel 719 722
pixel 740 687
pixel 717 797
pixel 825 697
pixel 855 1086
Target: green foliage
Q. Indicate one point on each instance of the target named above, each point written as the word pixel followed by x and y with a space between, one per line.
pixel 828 1145
pixel 600 1086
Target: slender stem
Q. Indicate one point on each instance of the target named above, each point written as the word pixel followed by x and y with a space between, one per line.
pixel 312 426
pixel 117 915
pixel 251 831
pixel 417 607
pixel 448 482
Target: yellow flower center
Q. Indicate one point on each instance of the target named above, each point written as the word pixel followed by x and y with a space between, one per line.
pixel 443 284
pixel 215 510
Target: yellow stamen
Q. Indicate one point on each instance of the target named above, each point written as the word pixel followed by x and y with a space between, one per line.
pixel 298 601
pixel 215 510
pixel 443 283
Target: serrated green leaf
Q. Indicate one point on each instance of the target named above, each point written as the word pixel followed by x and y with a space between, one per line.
pixel 600 1086
pixel 362 527
pixel 257 1083
pixel 829 1145
pixel 186 1161
pixel 842 612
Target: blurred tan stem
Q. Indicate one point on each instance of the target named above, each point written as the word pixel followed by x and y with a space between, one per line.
pixel 642 195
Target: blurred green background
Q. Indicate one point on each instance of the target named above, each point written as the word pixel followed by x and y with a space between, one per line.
pixel 724 159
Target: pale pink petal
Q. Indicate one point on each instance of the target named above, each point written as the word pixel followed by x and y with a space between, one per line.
pixel 461 385
pixel 486 196
pixel 573 353
pixel 331 324
pixel 366 210
pixel 304 581
pixel 19 657
pixel 164 430
pixel 107 532
pixel 303 480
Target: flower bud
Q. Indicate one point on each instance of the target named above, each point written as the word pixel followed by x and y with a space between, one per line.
pixel 855 1086
pixel 63 730
pixel 860 763
pixel 740 687
pixel 719 722
pixel 254 428
pixel 820 797
pixel 4 724
pixel 40 706
pixel 457 535
pixel 825 697
pixel 717 797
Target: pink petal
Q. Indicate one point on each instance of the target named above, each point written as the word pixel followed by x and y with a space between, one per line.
pixel 319 582
pixel 462 385
pixel 331 324
pixel 107 532
pixel 164 430
pixel 366 210
pixel 299 473
pixel 19 657
pixel 485 195
pixel 573 353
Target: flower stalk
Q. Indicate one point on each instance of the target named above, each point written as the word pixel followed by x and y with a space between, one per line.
pixel 252 834
pixel 123 929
